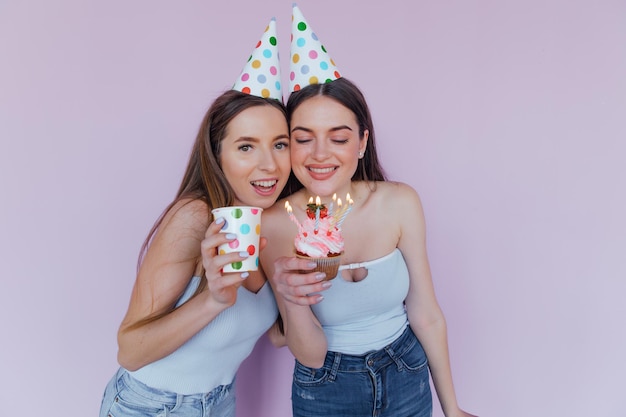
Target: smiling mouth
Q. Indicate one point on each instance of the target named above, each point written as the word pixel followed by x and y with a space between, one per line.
pixel 321 170
pixel 266 185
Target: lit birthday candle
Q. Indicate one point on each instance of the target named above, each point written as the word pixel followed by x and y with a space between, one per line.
pixel 291 215
pixel 349 204
pixel 332 205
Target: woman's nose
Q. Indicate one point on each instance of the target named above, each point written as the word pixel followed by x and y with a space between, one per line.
pixel 267 162
pixel 320 150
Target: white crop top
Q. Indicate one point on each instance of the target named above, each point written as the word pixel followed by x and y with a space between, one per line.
pixel 213 355
pixel 358 317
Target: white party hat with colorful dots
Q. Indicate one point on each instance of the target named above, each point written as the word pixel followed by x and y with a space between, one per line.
pixel 261 75
pixel 310 62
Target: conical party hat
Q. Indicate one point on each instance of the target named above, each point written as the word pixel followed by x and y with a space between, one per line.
pixel 310 62
pixel 261 75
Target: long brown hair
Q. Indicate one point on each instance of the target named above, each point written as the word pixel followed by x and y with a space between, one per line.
pixel 204 178
pixel 346 93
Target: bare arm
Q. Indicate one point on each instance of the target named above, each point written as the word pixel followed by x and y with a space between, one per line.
pixel 152 328
pixel 425 315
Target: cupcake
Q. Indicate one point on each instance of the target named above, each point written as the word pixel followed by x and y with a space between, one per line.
pixel 319 236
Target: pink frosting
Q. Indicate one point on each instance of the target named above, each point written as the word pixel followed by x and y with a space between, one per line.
pixel 319 244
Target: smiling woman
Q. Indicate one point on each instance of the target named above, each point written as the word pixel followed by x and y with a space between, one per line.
pixel 376 329
pixel 254 155
pixel 189 325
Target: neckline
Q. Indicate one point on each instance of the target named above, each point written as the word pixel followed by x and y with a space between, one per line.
pixel 197 278
pixel 368 263
pixel 252 292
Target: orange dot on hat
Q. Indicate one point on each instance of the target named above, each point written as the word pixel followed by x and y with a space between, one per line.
pixel 265 93
pixel 313 80
pixel 295 58
pixel 256 63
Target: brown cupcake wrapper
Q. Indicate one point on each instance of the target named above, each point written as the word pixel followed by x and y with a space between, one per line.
pixel 329 265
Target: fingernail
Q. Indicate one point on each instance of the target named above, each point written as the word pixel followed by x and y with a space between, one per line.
pixel 326 284
pixel 311 264
pixel 231 236
pixel 219 220
pixel 244 275
pixel 244 254
pixel 320 276
pixel 320 298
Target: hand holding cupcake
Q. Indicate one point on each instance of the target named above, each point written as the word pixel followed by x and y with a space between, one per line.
pixel 319 236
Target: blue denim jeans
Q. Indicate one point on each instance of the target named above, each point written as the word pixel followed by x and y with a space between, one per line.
pixel 390 382
pixel 124 396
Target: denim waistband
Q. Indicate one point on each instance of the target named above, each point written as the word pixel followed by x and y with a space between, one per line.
pixel 167 397
pixel 374 360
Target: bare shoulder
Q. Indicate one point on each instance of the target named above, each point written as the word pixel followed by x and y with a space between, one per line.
pixel 173 253
pixel 399 189
pixel 396 196
pixel 188 216
pixel 190 212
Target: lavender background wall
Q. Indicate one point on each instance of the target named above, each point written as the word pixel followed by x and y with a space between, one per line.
pixel 507 116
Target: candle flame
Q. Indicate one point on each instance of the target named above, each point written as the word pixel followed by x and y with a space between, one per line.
pixel 310 200
pixel 318 202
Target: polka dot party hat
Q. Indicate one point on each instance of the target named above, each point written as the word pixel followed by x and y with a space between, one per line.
pixel 310 62
pixel 261 75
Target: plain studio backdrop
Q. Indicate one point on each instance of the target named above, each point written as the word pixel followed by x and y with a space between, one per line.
pixel 508 117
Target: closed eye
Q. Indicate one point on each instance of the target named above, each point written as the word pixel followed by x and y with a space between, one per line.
pixel 299 140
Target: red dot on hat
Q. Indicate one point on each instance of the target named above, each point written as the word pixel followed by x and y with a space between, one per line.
pixel 258 44
pixel 246 90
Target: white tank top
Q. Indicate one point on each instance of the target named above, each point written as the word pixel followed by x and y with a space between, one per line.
pixel 213 355
pixel 358 317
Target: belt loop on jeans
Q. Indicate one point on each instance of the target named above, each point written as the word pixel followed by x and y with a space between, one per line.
pixel 400 343
pixel 392 354
pixel 335 367
pixel 179 402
